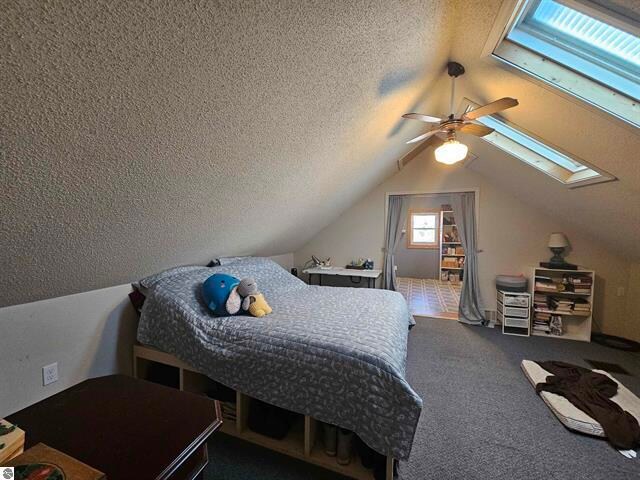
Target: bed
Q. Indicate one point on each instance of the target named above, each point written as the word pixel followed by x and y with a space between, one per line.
pixel 337 354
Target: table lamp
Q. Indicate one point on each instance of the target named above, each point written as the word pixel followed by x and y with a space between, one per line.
pixel 557 243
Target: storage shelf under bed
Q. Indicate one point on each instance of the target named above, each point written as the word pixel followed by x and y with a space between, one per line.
pixel 301 442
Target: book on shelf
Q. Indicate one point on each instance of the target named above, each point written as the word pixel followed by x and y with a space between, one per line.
pixel 577 279
pixel 578 284
pixel 228 410
pixel 452 251
pixel 551 325
pixel 449 276
pixel 542 328
pixel 11 440
pixel 548 286
pixel 561 305
pixel 544 278
pixel 452 262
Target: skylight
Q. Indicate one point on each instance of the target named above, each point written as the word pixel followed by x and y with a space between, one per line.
pixel 581 48
pixel 549 159
pixel 602 52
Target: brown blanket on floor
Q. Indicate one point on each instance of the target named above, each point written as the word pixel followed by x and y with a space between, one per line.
pixel 591 392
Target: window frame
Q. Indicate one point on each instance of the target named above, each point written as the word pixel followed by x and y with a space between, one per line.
pixel 553 75
pixel 420 245
pixel 571 178
pixel 584 59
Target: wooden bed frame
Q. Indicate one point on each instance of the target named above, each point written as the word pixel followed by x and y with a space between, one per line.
pixel 300 442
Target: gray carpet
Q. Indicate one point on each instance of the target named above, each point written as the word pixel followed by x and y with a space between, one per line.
pixel 481 417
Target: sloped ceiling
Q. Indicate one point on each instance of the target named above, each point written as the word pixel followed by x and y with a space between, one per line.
pixel 141 135
pixel 607 212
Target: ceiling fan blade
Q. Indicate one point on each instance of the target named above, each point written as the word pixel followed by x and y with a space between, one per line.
pixel 490 108
pixel 423 136
pixel 422 118
pixel 475 129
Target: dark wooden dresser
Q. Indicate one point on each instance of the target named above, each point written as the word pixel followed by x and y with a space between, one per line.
pixel 126 428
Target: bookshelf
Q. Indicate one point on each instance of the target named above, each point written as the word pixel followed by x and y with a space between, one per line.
pixel 452 256
pixel 566 295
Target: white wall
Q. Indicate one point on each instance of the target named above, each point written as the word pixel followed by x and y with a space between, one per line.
pixel 513 235
pixel 89 334
pixel 286 261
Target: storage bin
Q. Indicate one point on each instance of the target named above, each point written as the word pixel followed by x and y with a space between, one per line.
pixel 516 322
pixel 513 301
pixel 513 311
pixel 511 283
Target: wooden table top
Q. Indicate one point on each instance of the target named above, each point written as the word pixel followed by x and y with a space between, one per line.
pixel 124 427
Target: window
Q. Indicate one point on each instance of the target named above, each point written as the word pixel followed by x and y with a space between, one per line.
pixel 423 229
pixel 525 146
pixel 579 47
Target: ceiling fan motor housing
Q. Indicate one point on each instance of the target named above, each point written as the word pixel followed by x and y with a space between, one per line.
pixel 454 69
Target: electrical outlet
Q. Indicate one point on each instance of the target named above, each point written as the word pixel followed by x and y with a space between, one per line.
pixel 620 292
pixel 50 374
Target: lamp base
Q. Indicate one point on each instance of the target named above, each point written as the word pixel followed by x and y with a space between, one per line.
pixel 559 266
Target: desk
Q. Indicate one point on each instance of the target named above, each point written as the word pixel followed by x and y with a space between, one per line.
pixel 126 428
pixel 370 275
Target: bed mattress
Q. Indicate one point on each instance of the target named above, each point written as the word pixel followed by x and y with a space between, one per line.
pixel 570 416
pixel 337 354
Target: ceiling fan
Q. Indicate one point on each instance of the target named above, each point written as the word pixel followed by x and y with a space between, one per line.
pixel 452 151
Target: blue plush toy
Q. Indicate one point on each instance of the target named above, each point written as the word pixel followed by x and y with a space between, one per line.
pixel 220 294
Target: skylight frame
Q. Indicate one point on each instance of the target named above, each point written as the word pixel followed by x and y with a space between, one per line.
pixel 555 76
pixel 575 53
pixel 560 165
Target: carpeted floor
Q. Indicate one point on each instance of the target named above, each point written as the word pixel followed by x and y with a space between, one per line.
pixel 481 417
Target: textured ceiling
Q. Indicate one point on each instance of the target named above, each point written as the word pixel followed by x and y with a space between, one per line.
pixel 607 212
pixel 141 135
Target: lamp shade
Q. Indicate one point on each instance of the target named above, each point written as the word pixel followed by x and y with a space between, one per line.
pixel 558 240
pixel 451 151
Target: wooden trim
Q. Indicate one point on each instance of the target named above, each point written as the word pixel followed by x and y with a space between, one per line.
pixel 242 412
pixel 509 11
pixel 409 234
pixel 389 468
pixel 310 429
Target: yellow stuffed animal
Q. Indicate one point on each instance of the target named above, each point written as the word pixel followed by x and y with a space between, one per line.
pixel 253 301
pixel 258 306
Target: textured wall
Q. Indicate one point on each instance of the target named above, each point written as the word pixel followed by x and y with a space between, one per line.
pixel 140 135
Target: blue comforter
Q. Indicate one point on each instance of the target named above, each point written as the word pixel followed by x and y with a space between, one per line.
pixel 336 354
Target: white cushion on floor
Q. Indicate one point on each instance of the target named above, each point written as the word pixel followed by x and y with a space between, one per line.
pixel 572 417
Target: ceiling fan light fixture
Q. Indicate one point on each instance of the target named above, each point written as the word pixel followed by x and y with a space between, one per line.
pixel 451 151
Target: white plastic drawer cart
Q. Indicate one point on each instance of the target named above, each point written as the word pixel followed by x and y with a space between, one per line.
pixel 514 312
